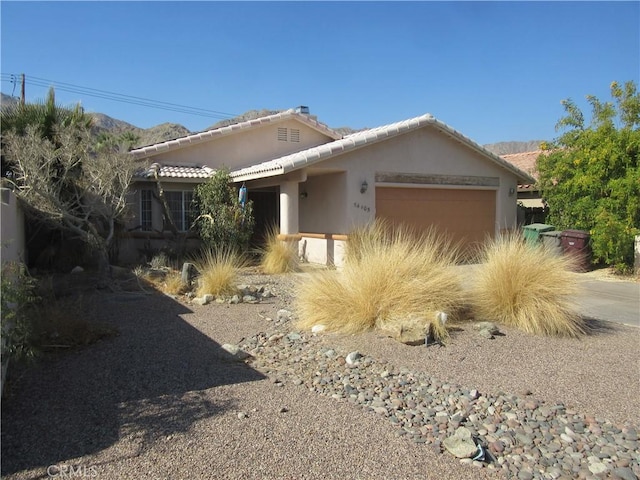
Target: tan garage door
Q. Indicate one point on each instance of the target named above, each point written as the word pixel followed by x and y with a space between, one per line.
pixel 466 215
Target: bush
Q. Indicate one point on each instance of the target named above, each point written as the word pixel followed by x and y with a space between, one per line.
pixel 218 269
pixel 589 175
pixel 278 256
pixel 222 221
pixel 17 297
pixel 527 287
pixel 31 325
pixel 393 280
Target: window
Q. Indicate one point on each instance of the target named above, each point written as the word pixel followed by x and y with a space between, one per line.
pixel 181 208
pixel 146 216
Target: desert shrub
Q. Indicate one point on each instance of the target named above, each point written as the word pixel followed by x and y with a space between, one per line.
pixel 66 323
pixel 218 271
pixel 173 284
pixel 394 280
pixel 223 221
pixel 32 324
pixel 17 297
pixel 278 256
pixel 527 287
pixel 160 260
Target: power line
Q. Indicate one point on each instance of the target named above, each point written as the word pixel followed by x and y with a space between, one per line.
pixel 119 97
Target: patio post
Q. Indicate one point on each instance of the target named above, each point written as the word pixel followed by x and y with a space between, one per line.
pixel 289 208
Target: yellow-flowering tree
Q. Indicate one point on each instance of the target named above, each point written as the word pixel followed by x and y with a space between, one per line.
pixel 590 175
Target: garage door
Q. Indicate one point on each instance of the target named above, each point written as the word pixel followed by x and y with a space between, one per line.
pixel 466 215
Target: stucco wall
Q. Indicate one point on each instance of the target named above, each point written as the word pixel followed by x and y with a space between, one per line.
pixel 322 211
pixel 425 151
pixel 12 234
pixel 246 148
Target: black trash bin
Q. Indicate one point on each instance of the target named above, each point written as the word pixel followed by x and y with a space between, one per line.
pixel 576 243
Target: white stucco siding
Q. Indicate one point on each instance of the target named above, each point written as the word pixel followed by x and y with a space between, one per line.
pixel 426 151
pixel 247 148
pixel 322 210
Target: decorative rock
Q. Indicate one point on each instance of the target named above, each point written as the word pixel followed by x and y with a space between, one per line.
pixel 597 468
pixel 489 326
pixel 318 328
pixel 204 300
pixel 625 474
pixel 77 269
pixel 235 300
pixel 187 273
pixel 461 444
pixel 249 299
pixel 242 415
pixel 293 336
pixel 352 358
pixel 284 315
pixel 235 351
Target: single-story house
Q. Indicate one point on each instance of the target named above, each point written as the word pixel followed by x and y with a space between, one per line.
pixel 532 208
pixel 317 185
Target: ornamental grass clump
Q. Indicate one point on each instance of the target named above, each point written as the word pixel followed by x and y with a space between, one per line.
pixel 278 256
pixel 527 287
pixel 218 271
pixel 393 280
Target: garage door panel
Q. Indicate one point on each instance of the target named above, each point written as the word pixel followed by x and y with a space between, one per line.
pixel 467 215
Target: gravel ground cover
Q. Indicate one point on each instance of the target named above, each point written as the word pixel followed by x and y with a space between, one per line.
pixel 163 400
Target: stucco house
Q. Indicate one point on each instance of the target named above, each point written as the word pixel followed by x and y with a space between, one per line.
pixel 318 185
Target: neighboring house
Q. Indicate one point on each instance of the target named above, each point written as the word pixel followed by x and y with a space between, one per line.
pixel 317 185
pixel 532 207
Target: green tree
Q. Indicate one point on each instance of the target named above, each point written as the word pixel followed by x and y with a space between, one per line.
pixel 222 220
pixel 45 116
pixel 590 175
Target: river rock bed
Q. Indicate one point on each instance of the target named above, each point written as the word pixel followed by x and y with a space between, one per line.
pixel 521 436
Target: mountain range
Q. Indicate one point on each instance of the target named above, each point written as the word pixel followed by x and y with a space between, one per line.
pixel 168 131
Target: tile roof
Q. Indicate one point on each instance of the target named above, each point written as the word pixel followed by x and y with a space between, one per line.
pixel 196 138
pixel 525 161
pixel 175 171
pixel 356 140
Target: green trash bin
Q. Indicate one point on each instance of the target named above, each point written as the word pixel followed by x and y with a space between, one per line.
pixel 532 232
pixel 552 240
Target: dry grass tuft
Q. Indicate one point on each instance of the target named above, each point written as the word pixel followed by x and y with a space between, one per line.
pixel 218 270
pixel 173 284
pixel 278 256
pixel 526 287
pixel 393 280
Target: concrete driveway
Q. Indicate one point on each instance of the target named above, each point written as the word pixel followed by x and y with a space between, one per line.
pixel 615 301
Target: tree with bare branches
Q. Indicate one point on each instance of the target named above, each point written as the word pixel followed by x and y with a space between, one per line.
pixel 65 180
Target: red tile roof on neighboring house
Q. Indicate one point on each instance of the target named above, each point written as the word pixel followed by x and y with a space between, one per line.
pixel 524 161
pixel 175 171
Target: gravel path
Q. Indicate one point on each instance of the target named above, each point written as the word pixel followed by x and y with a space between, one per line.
pixel 163 400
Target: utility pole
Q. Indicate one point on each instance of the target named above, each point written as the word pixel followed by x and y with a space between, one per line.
pixel 22 90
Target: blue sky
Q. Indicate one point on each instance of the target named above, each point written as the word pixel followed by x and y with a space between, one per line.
pixel 496 71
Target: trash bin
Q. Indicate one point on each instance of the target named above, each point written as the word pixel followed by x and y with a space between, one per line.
pixel 532 232
pixel 552 241
pixel 576 243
